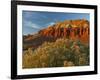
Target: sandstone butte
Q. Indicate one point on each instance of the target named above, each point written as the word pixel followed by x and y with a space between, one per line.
pixel 71 29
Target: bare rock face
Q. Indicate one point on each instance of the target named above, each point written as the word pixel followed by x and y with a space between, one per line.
pixel 71 29
pixel 68 29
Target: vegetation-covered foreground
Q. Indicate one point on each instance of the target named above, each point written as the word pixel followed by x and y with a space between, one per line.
pixel 61 53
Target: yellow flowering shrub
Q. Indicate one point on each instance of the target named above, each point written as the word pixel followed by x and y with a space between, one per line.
pixel 61 53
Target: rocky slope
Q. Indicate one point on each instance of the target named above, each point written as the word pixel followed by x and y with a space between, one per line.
pixel 71 29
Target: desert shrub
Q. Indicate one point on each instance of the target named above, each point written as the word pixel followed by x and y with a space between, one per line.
pixel 62 52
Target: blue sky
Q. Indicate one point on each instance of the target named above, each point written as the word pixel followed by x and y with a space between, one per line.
pixel 33 21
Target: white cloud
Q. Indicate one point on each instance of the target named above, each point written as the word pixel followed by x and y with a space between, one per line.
pixel 31 24
pixel 51 23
